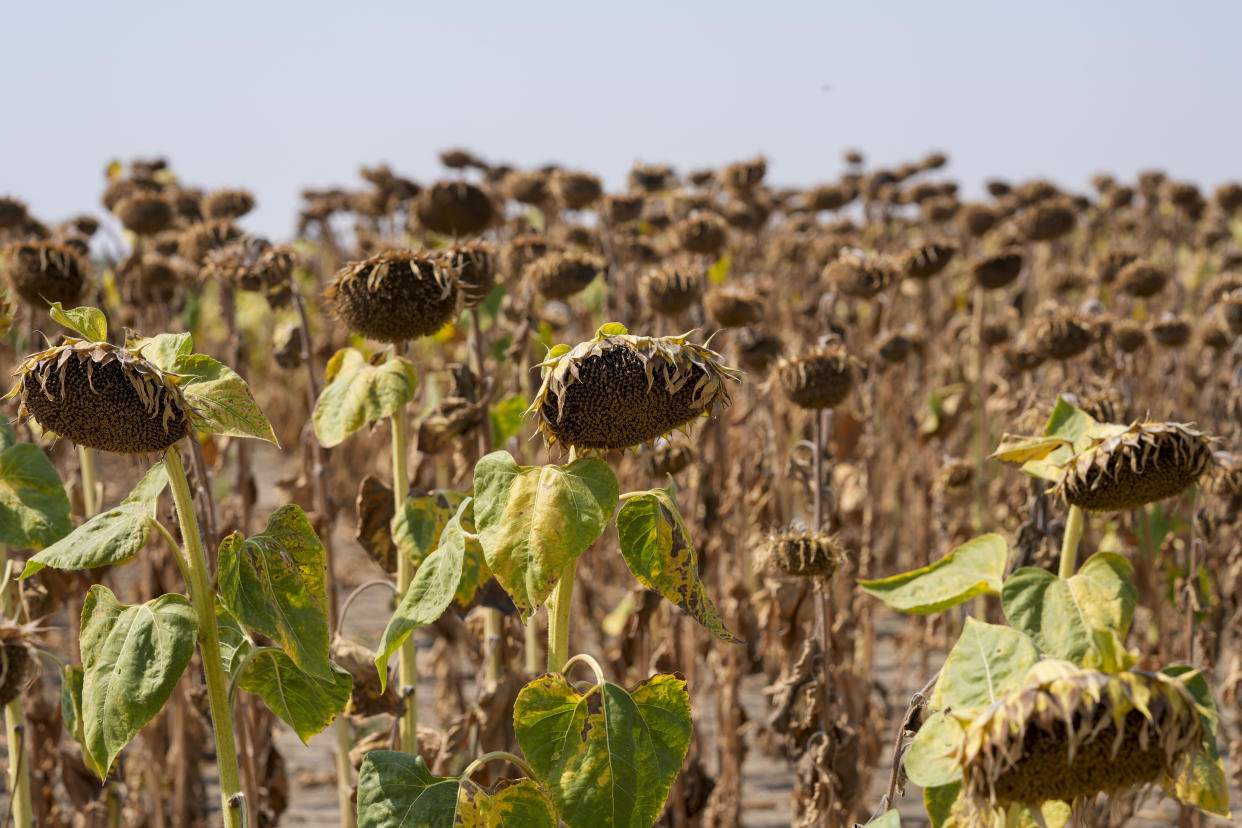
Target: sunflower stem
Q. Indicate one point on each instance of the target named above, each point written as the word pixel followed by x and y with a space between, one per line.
pixel 90 501
pixel 203 598
pixel 1069 544
pixel 407 665
pixel 18 774
pixel 558 619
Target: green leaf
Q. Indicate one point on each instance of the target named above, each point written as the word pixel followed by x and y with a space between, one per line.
pixel 221 400
pixel 939 802
pixel 273 582
pixel 430 593
pixel 889 819
pixel 718 273
pixel 536 520
pixel 1069 424
pixel 164 350
pixel 507 416
pixel 608 757
pixel 111 537
pixel 1061 614
pixel 132 657
pixel 974 568
pixel 932 758
pixel 87 321
pixel 34 510
pixel 474 571
pixel 656 546
pixel 306 703
pixel 361 393
pixel 416 528
pixel 234 642
pixel 396 790
pixel 987 661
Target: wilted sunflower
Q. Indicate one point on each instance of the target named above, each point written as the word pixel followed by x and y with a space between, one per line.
pixel 474 266
pixel 145 213
pixel 454 208
pixel 1078 734
pixel 561 275
pixel 802 553
pixel 822 378
pixel 705 233
pixel 732 306
pixel 1147 462
pixel 394 297
pixel 103 397
pixel 926 260
pixel 620 390
pixel 12 212
pixel 227 204
pixel 45 272
pixel 860 276
pixel 17 660
pixel 997 271
pixel 1142 279
pixel 1062 335
pixel 670 288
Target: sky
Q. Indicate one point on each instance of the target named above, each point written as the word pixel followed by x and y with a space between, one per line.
pixel 278 96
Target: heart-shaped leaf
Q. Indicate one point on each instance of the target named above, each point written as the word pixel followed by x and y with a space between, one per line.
pixel 273 583
pixel 608 757
pixel 359 393
pixel 931 760
pixel 221 400
pixel 164 350
pixel 306 703
pixel 110 537
pixel 89 322
pixel 534 521
pixel 1061 614
pixel 987 661
pixel 974 568
pixel 396 790
pixel 656 546
pixel 34 509
pixel 132 657
pixel 430 592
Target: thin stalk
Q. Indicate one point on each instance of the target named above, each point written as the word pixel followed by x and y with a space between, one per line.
pixel 532 646
pixel 981 412
pixel 493 629
pixel 90 499
pixel 1069 544
pixel 558 619
pixel 202 597
pixel 20 804
pixel 407 665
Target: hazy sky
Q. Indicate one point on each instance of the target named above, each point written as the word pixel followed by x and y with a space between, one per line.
pixel 277 96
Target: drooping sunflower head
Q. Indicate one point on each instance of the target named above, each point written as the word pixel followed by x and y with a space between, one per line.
pixel 802 553
pixel 43 272
pixel 103 396
pixel 671 288
pixel 1078 733
pixel 396 296
pixel 1147 462
pixel 822 378
pixel 620 390
pixel 17 661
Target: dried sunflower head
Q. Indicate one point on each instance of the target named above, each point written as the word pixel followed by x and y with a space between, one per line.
pixel 474 266
pixel 227 204
pixel 997 271
pixel 17 660
pixel 1062 335
pixel 1075 733
pixel 1142 279
pixel 671 288
pixel 202 238
pixel 732 306
pixel 1130 335
pixel 620 390
pixel 561 275
pixel 803 553
pixel 454 208
pixel 103 396
pixel 758 348
pixel 927 260
pixel 145 213
pixel 1048 220
pixel 576 190
pixel 1171 331
pixel 394 297
pixel 1146 462
pixel 705 233
pixel 12 212
pixel 44 272
pixel 860 276
pixel 822 378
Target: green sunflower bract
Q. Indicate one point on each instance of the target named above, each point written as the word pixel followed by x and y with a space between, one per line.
pixel 619 390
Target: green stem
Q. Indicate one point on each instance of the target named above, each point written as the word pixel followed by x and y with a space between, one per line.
pixel 532 646
pixel 494 755
pixel 1069 545
pixel 202 597
pixel 407 665
pixel 558 619
pixel 21 803
pixel 86 459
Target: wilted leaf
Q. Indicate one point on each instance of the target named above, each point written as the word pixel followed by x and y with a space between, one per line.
pixel 974 568
pixel 359 393
pixel 111 537
pixel 273 582
pixel 132 657
pixel 656 546
pixel 535 520
pixel 608 757
pixel 931 760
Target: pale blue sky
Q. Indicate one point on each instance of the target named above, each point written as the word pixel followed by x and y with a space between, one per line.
pixel 277 96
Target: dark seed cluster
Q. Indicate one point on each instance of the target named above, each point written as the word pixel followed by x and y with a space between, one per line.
pixel 45 272
pixel 804 554
pixel 1062 336
pixel 670 289
pixel 474 267
pixel 820 379
pixel 454 208
pixel 98 399
pixel 994 272
pixel 1146 463
pixel 394 297
pixel 15 665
